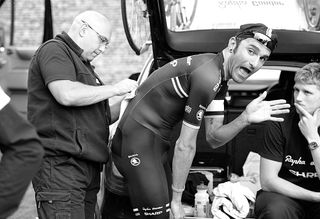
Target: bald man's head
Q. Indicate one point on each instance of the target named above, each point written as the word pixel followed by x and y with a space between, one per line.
pixel 91 31
pixel 97 21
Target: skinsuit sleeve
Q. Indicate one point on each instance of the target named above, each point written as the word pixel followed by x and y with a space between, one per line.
pixel 205 83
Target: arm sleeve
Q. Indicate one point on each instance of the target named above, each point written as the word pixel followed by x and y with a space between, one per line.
pixel 216 107
pixel 205 81
pixel 56 63
pixel 4 98
pixel 273 142
pixel 22 153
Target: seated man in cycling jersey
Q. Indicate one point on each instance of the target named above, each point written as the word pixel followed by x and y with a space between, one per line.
pixel 290 157
pixel 187 89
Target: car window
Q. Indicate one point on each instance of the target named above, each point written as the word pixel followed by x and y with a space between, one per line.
pixel 260 80
pixel 265 74
pixel 186 15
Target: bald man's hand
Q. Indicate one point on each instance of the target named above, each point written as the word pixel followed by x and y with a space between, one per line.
pixel 125 86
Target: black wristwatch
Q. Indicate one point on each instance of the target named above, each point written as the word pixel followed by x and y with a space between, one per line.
pixel 313 145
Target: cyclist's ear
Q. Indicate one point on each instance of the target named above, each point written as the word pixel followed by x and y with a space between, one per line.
pixel 232 43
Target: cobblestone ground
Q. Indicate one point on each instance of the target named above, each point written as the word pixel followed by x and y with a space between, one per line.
pixel 27 209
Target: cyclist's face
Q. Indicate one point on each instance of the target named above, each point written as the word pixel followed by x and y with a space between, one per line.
pixel 247 58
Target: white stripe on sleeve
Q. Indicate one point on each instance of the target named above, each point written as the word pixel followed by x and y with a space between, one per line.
pixel 4 99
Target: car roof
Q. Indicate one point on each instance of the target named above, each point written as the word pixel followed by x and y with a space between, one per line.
pixel 215 21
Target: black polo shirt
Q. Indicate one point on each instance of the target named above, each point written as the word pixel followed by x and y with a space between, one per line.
pixel 80 131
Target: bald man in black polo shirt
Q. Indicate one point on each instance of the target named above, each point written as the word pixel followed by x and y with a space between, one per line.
pixel 68 104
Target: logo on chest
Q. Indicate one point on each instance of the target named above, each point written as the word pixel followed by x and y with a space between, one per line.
pixel 216 87
pixel 292 161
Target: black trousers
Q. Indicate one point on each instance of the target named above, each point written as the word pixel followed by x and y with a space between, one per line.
pixel 270 205
pixel 66 187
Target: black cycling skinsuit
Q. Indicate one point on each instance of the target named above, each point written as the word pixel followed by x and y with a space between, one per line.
pixel 180 90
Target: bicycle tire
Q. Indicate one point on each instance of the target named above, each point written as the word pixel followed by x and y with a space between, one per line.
pixel 314 26
pixel 138 49
pixel 193 12
pixel 1 2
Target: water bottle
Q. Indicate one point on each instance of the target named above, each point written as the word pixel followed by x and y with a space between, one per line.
pixel 201 201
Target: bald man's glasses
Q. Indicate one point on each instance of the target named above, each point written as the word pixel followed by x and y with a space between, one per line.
pixel 103 39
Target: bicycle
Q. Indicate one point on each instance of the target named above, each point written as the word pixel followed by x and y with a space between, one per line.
pixel 177 16
pixel 135 18
pixel 312 14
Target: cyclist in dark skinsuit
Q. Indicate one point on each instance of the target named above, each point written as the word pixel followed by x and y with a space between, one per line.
pixel 186 89
pixel 184 84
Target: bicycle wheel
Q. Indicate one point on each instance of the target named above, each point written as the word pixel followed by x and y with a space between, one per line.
pixel 180 14
pixel 136 25
pixel 312 14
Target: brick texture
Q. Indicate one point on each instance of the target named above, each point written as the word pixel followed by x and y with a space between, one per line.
pixel 118 61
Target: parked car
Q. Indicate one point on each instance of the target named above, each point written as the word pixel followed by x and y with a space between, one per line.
pixel 178 28
pixel 171 29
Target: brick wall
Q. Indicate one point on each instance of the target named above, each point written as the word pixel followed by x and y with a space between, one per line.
pixel 118 61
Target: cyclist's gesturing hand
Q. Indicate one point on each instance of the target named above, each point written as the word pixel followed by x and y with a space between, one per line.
pixel 259 110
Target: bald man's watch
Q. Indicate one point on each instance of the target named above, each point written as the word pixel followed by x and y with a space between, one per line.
pixel 313 145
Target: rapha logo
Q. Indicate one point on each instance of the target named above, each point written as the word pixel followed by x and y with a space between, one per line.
pixel 289 159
